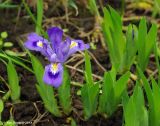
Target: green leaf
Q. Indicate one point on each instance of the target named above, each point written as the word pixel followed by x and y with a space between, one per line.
pixel 121 85
pixel 130 114
pixel 142 114
pixel 107 101
pixel 4 35
pixel 135 112
pixel 1 106
pixel 89 96
pixel 90 91
pixel 73 123
pixel 65 94
pixel 13 81
pixel 152 96
pixel 146 85
pixel 150 40
pixel 39 16
pixel 116 42
pixel 8 6
pixel 88 69
pixel 46 91
pixel 145 43
pixel 92 5
pixel 1 109
pixel 141 43
pixel 16 61
pixel 8 44
pixel 112 91
pixel 155 111
pixel 10 122
pixel 12 53
pixel 131 49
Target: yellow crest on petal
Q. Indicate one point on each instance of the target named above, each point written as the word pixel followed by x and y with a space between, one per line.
pixel 40 44
pixel 73 44
pixel 54 68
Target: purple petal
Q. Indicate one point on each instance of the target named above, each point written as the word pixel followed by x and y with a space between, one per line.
pixel 34 37
pixel 65 46
pixel 53 74
pixel 77 45
pixel 55 36
pixel 54 58
pixel 63 49
pixel 38 43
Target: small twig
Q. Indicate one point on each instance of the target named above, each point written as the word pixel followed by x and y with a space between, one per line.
pixel 73 57
pixel 76 84
pixel 81 71
pixel 133 77
pixel 153 74
pixel 78 63
pixel 3 80
pixel 97 62
pixel 39 118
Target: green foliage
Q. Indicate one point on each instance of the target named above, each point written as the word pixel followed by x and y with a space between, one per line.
pixel 130 49
pixel 3 43
pixel 122 49
pixel 88 70
pixel 156 8
pixel 1 108
pixel 39 16
pixel 7 4
pixel 73 123
pixel 89 91
pixel 153 96
pixel 64 93
pixel 157 56
pixel 92 5
pixel 4 35
pixel 135 113
pixel 13 81
pixel 112 91
pixel 145 43
pixel 10 122
pixel 38 20
pixel 15 60
pixel 46 91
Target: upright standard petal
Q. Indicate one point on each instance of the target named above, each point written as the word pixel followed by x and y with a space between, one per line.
pixel 55 35
pixel 63 50
pixel 77 45
pixel 53 74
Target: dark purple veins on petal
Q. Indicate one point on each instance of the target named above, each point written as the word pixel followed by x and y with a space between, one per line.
pixel 79 45
pixel 51 75
pixel 35 44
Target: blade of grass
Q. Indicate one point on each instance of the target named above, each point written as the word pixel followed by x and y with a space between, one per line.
pixel 13 81
pixel 39 16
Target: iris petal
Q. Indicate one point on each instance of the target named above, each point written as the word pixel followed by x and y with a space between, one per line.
pixel 55 36
pixel 77 45
pixel 38 43
pixel 63 49
pixel 53 74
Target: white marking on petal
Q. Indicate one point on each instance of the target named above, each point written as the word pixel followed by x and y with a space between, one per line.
pixel 73 44
pixel 40 44
pixel 54 68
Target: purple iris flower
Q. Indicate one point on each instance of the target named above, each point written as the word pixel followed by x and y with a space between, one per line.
pixel 57 52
